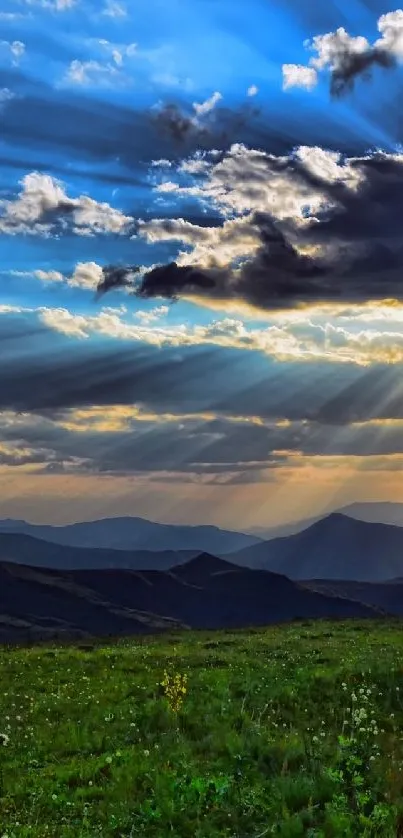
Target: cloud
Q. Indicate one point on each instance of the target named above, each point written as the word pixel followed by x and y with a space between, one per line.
pixel 46 371
pixel 348 57
pixel 208 105
pixel 296 75
pixel 86 275
pixel 118 52
pixel 44 208
pixel 93 74
pixel 53 5
pixel 114 10
pixel 298 229
pixel 15 49
pixel 6 95
pixel 206 126
pixel 114 276
pixel 252 90
pixel 49 276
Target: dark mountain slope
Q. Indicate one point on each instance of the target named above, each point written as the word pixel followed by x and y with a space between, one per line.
pixel 388 596
pixel 46 601
pixel 337 547
pixel 204 593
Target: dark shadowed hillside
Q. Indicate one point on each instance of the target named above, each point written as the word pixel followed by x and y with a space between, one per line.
pixel 388 596
pixel 205 593
pixel 337 547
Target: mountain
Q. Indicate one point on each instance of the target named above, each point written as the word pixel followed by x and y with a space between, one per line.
pixel 388 596
pixel 336 547
pixel 135 534
pixel 205 593
pixel 24 549
pixel 283 530
pixel 376 512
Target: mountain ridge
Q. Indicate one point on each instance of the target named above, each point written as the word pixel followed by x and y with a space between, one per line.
pixel 335 547
pixel 205 593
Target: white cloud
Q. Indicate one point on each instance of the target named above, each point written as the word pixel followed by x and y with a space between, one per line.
pixel 15 49
pixel 6 95
pixel 212 246
pixel 114 9
pixel 152 316
pixel 334 48
pixel 297 75
pixel 300 341
pixel 118 52
pixel 42 207
pixel 208 105
pixel 86 275
pixel 248 180
pixel 390 26
pixel 92 74
pixel 49 276
pixel 53 5
pixel 252 90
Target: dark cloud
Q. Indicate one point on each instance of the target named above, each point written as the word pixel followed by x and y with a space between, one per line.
pixel 171 280
pixel 278 274
pixel 223 449
pixel 220 126
pixel 115 276
pixel 351 65
pixel 360 229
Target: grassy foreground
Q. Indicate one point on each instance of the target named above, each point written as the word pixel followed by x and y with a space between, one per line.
pixel 288 731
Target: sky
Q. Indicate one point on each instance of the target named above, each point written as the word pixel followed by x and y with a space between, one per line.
pixel 201 253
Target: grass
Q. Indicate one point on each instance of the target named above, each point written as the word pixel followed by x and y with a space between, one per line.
pixel 288 731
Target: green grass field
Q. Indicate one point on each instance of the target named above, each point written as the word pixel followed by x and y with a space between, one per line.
pixel 289 731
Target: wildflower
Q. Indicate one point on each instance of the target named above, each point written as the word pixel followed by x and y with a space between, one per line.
pixel 4 739
pixel 175 689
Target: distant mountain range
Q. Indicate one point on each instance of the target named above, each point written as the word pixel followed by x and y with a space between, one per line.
pixel 135 534
pixel 24 549
pixel 336 547
pixel 206 592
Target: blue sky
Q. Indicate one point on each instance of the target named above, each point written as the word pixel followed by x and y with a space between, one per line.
pixel 261 397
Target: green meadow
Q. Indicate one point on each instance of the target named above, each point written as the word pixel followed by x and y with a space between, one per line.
pixel 289 731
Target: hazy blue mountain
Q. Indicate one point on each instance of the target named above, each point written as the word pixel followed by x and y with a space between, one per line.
pixel 336 547
pixel 205 593
pixel 283 530
pixel 376 512
pixel 24 549
pixel 135 534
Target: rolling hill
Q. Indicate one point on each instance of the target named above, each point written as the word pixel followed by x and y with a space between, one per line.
pixel 206 593
pixel 336 547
